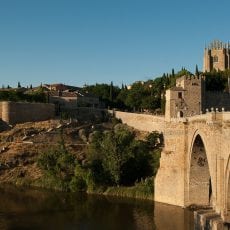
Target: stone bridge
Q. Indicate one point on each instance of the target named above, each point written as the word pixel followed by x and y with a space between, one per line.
pixel 194 165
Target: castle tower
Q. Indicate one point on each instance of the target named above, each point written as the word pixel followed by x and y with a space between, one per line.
pixel 185 99
pixel 217 56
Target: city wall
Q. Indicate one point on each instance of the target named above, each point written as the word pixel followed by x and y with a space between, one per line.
pixel 142 122
pixel 84 113
pixel 19 112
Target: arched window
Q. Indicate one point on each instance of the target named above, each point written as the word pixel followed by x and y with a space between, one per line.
pixel 215 59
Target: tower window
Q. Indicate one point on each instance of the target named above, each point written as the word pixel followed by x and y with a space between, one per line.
pixel 180 95
pixel 215 59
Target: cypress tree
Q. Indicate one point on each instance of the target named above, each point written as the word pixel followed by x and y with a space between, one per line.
pixel 197 71
pixel 173 73
pixel 111 91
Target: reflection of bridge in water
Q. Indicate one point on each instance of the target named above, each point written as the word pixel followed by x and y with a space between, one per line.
pixel 194 166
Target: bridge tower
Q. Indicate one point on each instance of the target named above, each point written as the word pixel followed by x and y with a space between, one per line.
pixel 185 99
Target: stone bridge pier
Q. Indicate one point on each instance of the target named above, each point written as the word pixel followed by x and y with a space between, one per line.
pixel 194 165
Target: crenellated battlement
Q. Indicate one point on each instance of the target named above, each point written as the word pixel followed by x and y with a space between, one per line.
pixel 216 56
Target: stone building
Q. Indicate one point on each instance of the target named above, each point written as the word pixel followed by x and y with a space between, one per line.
pixel 70 100
pixel 189 98
pixel 217 56
pixel 185 98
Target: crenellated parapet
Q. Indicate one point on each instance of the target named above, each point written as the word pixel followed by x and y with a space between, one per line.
pixel 216 56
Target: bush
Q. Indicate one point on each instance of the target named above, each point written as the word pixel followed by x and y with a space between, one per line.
pixel 116 158
pixel 58 165
pixel 77 184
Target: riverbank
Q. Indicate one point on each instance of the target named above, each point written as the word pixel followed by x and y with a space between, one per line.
pixel 54 155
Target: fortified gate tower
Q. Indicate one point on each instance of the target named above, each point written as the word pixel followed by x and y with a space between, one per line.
pixel 185 99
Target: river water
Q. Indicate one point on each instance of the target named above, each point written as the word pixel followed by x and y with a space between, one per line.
pixel 25 208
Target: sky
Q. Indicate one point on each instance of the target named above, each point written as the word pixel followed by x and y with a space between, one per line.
pixel 79 42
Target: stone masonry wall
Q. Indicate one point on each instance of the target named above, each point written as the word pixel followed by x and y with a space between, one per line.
pixel 19 112
pixel 142 122
pixel 169 181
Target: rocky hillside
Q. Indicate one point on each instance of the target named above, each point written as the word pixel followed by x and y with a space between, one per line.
pixel 21 145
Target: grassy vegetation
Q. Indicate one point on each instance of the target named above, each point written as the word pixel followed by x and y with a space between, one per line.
pixel 141 190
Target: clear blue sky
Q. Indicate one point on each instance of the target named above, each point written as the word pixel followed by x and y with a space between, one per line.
pixel 88 41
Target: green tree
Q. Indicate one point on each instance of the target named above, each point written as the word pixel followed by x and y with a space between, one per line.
pixel 120 159
pixel 111 92
pixel 197 71
pixel 58 164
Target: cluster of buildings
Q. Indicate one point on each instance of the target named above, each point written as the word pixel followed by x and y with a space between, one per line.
pixel 69 97
pixel 189 97
pixel 62 99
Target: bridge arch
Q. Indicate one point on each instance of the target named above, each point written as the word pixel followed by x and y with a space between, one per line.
pixel 227 189
pixel 200 183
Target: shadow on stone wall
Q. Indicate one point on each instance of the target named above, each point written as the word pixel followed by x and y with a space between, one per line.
pixel 3 125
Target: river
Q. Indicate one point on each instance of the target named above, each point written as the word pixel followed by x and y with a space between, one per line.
pixel 26 208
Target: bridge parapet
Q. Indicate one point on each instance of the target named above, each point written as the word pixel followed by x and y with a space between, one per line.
pixel 207 117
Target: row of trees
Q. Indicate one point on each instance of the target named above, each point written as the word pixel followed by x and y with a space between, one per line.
pixel 150 95
pixel 16 96
pixel 217 80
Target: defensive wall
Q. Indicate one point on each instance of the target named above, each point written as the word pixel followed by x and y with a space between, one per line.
pixel 142 122
pixel 19 112
pixel 84 113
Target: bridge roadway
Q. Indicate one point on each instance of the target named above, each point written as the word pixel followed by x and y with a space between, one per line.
pixel 195 163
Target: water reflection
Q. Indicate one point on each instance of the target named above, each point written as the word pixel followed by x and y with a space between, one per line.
pixel 173 217
pixel 23 208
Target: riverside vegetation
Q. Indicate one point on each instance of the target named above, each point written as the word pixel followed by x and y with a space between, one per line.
pixel 115 163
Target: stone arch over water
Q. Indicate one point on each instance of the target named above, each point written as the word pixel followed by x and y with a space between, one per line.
pixel 200 185
pixel 227 189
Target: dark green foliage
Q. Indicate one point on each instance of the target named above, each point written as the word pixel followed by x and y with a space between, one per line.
pixel 142 96
pixel 217 80
pixel 58 165
pixel 117 158
pixel 197 71
pixel 106 93
pixel 13 95
pixel 114 158
pixel 111 92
